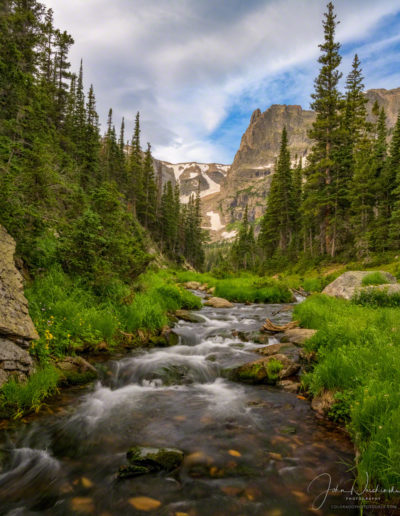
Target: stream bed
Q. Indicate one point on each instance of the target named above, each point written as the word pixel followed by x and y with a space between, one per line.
pixel 249 450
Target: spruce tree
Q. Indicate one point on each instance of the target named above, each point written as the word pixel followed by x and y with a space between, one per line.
pixel 320 192
pixel 135 179
pixel 277 225
pixel 392 187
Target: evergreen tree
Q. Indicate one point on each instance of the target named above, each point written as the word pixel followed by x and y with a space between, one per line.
pixel 244 247
pixel 277 225
pixel 135 180
pixel 146 209
pixel 379 233
pixel 321 190
pixel 392 187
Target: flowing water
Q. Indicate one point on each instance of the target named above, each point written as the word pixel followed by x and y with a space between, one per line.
pixel 249 450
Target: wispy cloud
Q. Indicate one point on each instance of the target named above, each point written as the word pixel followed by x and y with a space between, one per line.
pixel 196 69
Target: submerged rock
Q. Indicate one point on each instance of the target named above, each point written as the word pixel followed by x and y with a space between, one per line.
pixel 150 460
pixel 346 285
pixel 218 302
pixel 265 370
pixel 289 385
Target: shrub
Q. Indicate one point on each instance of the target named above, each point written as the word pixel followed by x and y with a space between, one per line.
pixel 377 298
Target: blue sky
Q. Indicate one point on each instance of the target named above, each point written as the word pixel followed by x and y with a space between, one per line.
pixel 197 69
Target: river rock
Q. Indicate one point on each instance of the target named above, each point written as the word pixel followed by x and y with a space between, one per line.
pixel 298 336
pixel 283 348
pixel 323 403
pixel 192 285
pixel 218 302
pixel 166 338
pixel 260 372
pixel 150 460
pixel 346 285
pixel 289 385
pixel 185 315
pixel 76 370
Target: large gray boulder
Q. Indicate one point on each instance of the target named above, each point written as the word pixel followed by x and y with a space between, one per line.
pixel 16 326
pixel 346 285
pixel 14 315
pixel 14 361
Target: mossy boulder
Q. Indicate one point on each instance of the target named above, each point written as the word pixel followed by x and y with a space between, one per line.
pixel 166 338
pixel 76 370
pixel 143 461
pixel 269 369
pixel 185 315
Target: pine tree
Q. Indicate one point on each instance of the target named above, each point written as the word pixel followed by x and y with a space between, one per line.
pixel 135 179
pixel 321 190
pixel 277 225
pixel 392 187
pixel 63 42
pixel 91 167
pixel 379 233
pixel 297 197
pixel 244 246
pixel 146 208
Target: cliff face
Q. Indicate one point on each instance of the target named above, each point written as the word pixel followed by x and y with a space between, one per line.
pixel 16 326
pixel 249 178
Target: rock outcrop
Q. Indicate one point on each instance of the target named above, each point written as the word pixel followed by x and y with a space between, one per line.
pixel 16 326
pixel 346 285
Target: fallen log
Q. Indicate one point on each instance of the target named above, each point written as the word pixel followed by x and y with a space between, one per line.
pixel 269 326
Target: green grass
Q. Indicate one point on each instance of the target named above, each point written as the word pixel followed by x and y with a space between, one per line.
pixel 70 316
pixel 274 367
pixel 18 398
pixel 358 353
pixel 242 288
pixel 377 298
pixel 374 278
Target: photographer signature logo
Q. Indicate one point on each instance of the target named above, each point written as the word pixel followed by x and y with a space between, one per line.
pixel 328 488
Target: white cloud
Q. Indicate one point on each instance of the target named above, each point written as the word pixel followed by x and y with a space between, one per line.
pixel 185 63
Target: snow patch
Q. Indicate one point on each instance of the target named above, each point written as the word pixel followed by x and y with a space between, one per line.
pixel 215 220
pixel 229 234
